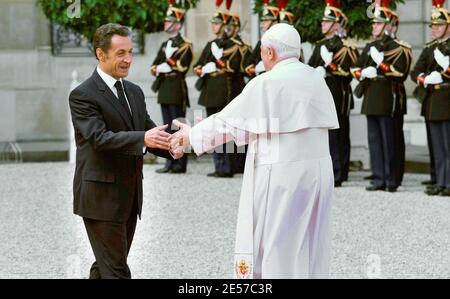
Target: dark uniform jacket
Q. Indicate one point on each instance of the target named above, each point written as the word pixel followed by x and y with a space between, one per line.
pixel 385 94
pixel 171 87
pixel 338 76
pixel 238 81
pixel 435 98
pixel 253 59
pixel 216 88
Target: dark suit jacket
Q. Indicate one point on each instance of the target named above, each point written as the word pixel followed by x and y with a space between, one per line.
pixel 108 174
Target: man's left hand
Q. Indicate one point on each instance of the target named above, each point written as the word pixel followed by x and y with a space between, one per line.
pixel 441 59
pixel 326 55
pixel 170 50
pixel 376 55
pixel 216 51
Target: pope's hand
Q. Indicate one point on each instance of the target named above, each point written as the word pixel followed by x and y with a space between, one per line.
pixel 441 59
pixel 216 51
pixel 179 141
pixel 376 55
pixel 163 68
pixel 326 55
pixel 259 68
pixel 369 72
pixel 433 78
pixel 157 138
pixel 208 68
pixel 169 49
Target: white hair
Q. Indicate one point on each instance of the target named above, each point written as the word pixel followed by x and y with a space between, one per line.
pixel 284 39
pixel 283 51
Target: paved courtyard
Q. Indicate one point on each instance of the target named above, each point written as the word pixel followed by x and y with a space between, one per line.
pixel 188 224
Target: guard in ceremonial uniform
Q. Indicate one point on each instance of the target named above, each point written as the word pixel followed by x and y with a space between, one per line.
pixel 254 65
pixel 238 80
pixel 432 74
pixel 219 60
pixel 170 67
pixel 332 57
pixel 381 69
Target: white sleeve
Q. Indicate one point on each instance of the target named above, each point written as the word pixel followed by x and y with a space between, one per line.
pixel 212 132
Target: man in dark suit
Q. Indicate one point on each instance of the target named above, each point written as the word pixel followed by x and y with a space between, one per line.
pixel 112 132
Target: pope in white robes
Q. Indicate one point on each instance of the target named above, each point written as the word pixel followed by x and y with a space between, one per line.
pixel 283 225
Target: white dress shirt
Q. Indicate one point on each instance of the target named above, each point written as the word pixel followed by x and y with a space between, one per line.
pixel 110 81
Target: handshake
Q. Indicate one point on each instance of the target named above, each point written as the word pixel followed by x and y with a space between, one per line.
pixel 175 143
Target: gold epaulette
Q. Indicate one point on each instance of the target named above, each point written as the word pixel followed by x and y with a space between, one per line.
pixel 236 41
pixel 347 44
pixel 429 44
pixel 403 44
pixel 321 40
pixel 187 41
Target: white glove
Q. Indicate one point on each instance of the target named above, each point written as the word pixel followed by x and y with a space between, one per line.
pixel 326 55
pixel 376 55
pixel 369 72
pixel 442 60
pixel 169 49
pixel 208 68
pixel 321 71
pixel 216 51
pixel 259 68
pixel 433 78
pixel 163 68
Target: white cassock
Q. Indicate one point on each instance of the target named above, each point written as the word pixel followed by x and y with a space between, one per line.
pixel 283 227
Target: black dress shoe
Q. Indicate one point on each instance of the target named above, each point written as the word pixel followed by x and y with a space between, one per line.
pixel 337 184
pixel 369 177
pixel 391 189
pixel 431 186
pixel 445 192
pixel 434 191
pixel 375 188
pixel 163 170
pixel 429 182
pixel 176 169
pixel 213 174
pixel 224 175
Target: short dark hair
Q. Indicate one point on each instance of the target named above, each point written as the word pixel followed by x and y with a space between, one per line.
pixel 104 33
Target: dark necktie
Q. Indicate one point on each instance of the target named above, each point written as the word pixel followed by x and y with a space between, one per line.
pixel 122 99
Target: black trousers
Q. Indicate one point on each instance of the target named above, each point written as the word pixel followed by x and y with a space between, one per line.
pixel 111 243
pixel 440 136
pixel 384 155
pixel 169 113
pixel 222 156
pixel 430 151
pixel 340 149
pixel 399 148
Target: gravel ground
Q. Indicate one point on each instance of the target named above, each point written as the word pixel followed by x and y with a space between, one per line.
pixel 188 224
